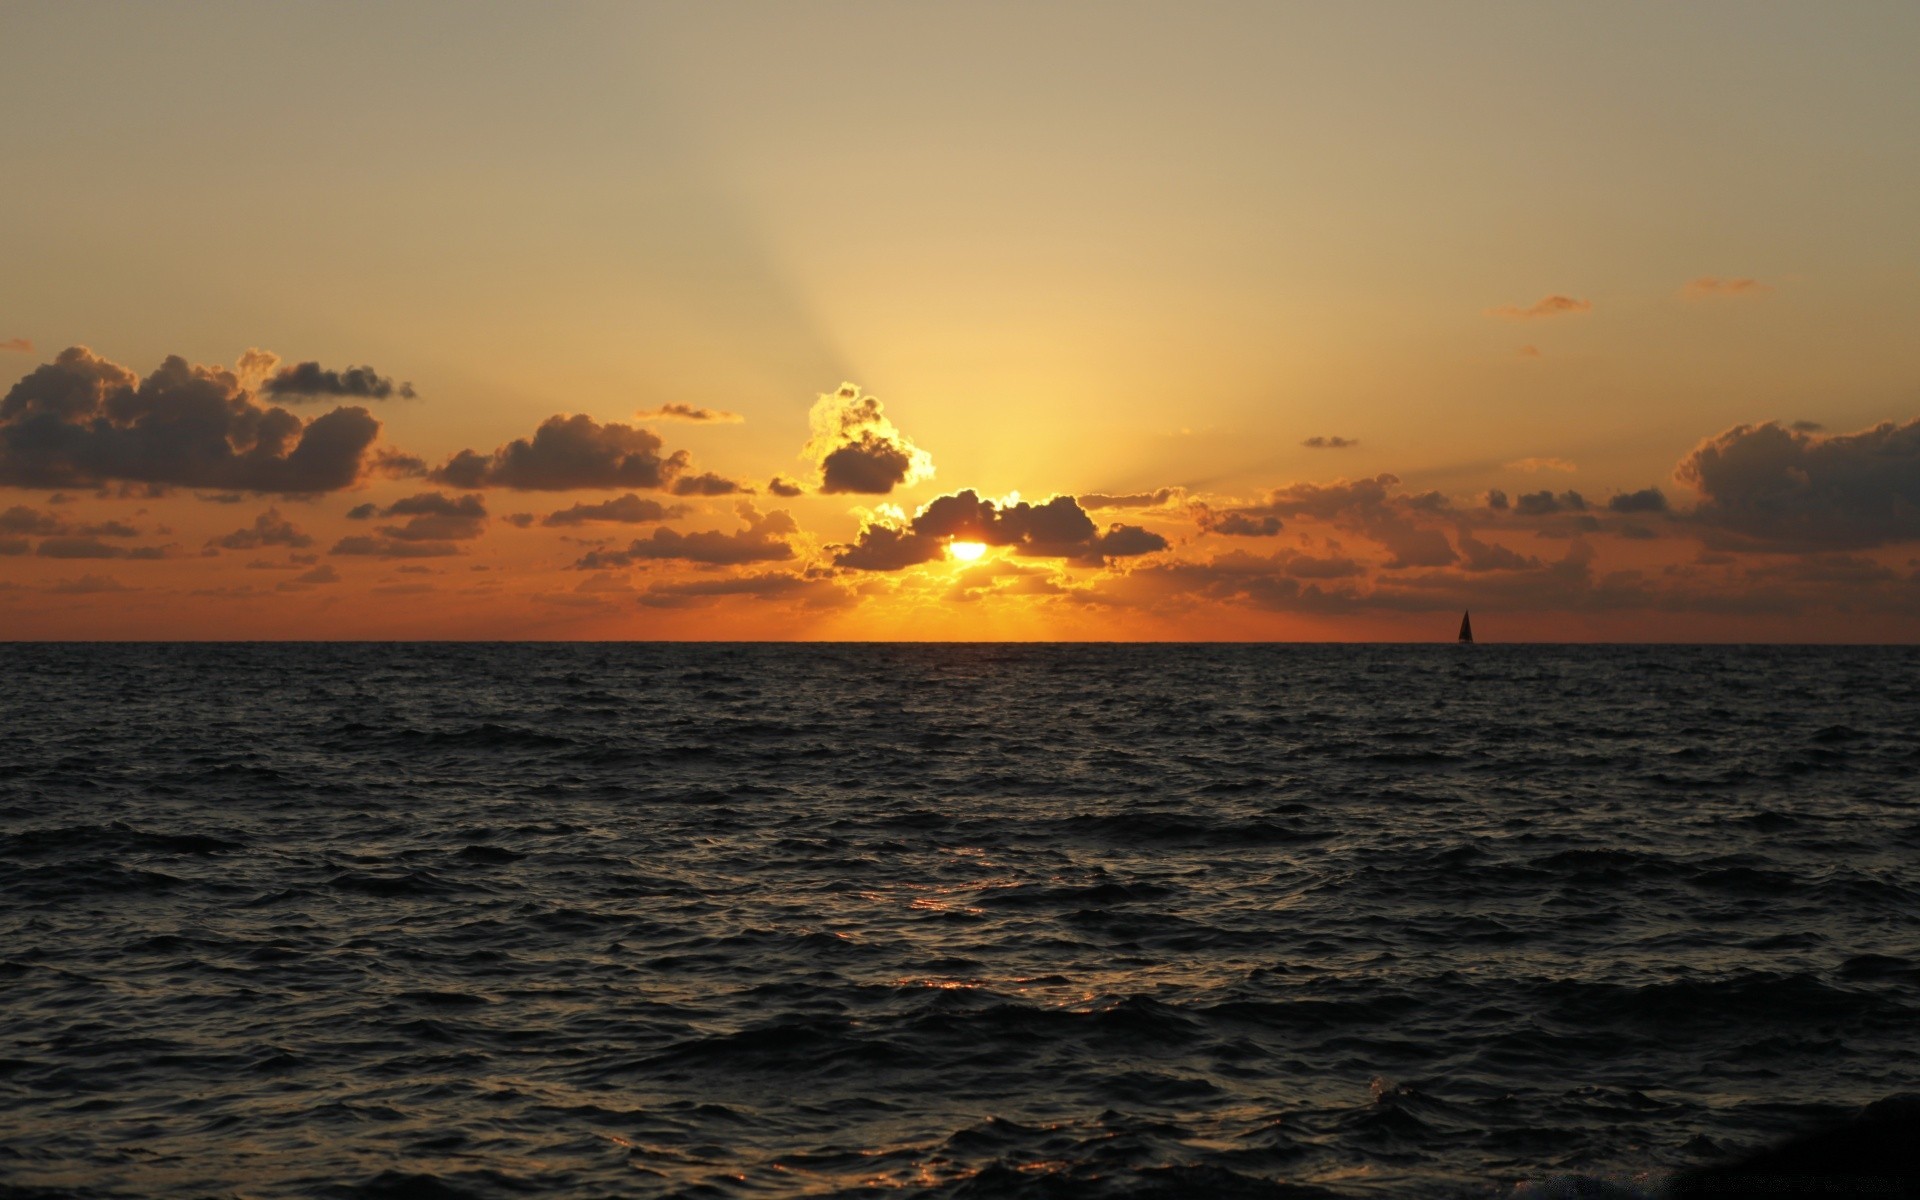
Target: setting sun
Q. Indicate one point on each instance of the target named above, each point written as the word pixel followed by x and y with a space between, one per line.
pixel 966 551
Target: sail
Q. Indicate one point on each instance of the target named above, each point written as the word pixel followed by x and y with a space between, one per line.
pixel 1466 627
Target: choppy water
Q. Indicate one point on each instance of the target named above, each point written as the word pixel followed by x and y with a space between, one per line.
pixel 954 920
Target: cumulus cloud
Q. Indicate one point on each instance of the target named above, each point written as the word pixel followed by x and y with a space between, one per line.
pixel 783 487
pixel 268 529
pixel 67 546
pixel 84 421
pixel 1330 443
pixel 1532 465
pixel 312 577
pixel 1774 484
pixel 1708 287
pixel 857 449
pixel 706 484
pixel 1236 524
pixel 623 510
pixel 17 345
pixel 431 517
pixel 687 412
pixel 1546 306
pixel 1158 498
pixel 1476 555
pixel 763 540
pixel 365 546
pixel 568 453
pixel 1544 503
pixel 10 546
pixel 1646 500
pixel 311 381
pixel 1059 528
pixel 808 591
pixel 88 585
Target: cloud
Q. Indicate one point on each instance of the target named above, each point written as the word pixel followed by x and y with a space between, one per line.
pixel 687 412
pixel 1646 500
pixel 1807 426
pixel 1497 500
pixel 17 345
pixel 857 449
pixel 1709 287
pixel 363 546
pixel 1528 351
pixel 1059 528
pixel 1532 465
pixel 1770 483
pixel 1476 555
pixel 432 517
pixel 312 577
pixel 809 591
pixel 783 487
pixel 707 484
pixel 21 519
pixel 763 540
pixel 568 453
pixel 88 585
pixel 1236 524
pixel 268 529
pixel 1158 498
pixel 79 547
pixel 1544 503
pixel 82 421
pixel 1547 306
pixel 10 546
pixel 624 510
pixel 1330 443
pixel 311 381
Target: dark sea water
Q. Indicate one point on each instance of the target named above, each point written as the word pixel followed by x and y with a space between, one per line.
pixel 945 921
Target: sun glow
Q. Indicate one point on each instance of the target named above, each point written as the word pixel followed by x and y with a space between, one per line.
pixel 966 551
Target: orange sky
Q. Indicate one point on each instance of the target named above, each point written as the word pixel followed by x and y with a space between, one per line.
pixel 1246 321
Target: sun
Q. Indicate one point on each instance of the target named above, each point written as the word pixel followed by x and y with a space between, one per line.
pixel 966 551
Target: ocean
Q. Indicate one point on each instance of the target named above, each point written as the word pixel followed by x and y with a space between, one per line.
pixel 945 920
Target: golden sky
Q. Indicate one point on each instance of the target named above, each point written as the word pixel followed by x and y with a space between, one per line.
pixel 1290 321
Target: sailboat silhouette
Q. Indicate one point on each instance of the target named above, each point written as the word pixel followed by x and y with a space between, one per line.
pixel 1466 628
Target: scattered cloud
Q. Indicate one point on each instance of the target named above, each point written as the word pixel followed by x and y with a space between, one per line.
pixel 1544 503
pixel 1807 426
pixel 623 510
pixel 364 546
pixel 1533 465
pixel 82 421
pixel 763 540
pixel 808 591
pixel 1708 287
pixel 268 529
pixel 1528 351
pixel 1646 500
pixel 687 412
pixel 568 453
pixel 80 547
pixel 431 517
pixel 1236 524
pixel 16 345
pixel 1158 498
pixel 1059 528
pixel 311 381
pixel 1330 443
pixel 1771 483
pixel 1546 306
pixel 857 449
pixel 706 484
pixel 88 585
pixel 783 487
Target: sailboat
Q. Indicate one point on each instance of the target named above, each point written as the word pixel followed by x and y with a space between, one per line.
pixel 1466 628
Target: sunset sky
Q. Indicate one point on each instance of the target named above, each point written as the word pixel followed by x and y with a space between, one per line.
pixel 1244 321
